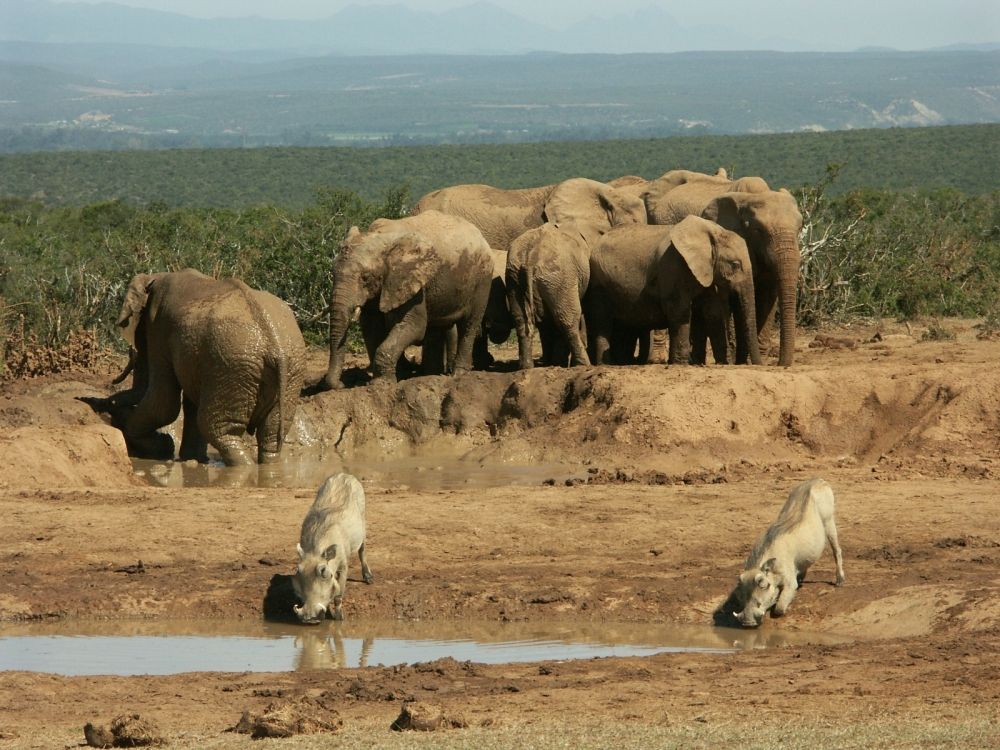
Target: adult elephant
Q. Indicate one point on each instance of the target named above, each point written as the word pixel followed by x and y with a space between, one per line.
pixel 408 278
pixel 501 215
pixel 645 277
pixel 504 215
pixel 234 356
pixel 769 221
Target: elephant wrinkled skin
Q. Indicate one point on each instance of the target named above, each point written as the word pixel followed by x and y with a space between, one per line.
pixel 235 354
pixel 412 279
pixel 644 277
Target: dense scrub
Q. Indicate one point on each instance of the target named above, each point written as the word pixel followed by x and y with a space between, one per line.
pixel 866 253
pixel 961 157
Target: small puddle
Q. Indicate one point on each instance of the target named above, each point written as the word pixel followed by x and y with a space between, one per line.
pixel 422 474
pixel 171 647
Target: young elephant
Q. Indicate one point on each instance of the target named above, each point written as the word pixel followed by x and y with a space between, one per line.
pixel 333 530
pixel 407 279
pixel 644 277
pixel 235 354
pixel 779 560
pixel 548 270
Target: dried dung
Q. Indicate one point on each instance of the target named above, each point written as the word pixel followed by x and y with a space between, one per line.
pixel 287 719
pixel 425 717
pixel 127 730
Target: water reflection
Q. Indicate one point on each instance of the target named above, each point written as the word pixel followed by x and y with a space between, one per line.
pixel 168 647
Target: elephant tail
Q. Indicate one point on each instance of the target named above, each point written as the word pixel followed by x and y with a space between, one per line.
pixel 528 285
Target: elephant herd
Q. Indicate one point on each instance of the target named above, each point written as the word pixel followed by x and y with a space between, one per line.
pixel 593 267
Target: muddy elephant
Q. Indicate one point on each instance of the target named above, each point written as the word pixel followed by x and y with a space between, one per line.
pixel 645 277
pixel 406 279
pixel 232 355
pixel 769 221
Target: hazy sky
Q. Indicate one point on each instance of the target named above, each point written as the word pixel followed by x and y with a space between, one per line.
pixel 842 23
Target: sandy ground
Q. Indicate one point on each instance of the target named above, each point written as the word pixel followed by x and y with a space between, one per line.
pixel 673 474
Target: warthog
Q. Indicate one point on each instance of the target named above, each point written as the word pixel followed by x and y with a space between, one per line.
pixel 333 530
pixel 780 558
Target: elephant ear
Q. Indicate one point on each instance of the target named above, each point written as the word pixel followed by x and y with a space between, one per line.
pixel 693 239
pixel 410 264
pixel 136 297
pixel 724 210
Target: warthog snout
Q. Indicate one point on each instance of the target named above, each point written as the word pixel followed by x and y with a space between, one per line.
pixel 309 615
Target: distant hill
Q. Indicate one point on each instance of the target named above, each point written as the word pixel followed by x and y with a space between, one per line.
pixel 382 29
pixel 114 96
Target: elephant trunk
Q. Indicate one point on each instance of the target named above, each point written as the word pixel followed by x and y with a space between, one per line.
pixel 745 293
pixel 787 253
pixel 341 308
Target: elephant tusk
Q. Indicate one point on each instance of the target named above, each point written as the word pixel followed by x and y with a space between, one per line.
pixel 356 315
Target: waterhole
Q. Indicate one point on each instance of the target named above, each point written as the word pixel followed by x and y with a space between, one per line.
pixel 171 647
pixel 422 474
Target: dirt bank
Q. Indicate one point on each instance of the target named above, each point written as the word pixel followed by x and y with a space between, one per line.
pixel 677 470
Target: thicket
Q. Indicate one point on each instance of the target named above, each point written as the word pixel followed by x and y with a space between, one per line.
pixel 963 157
pixel 867 253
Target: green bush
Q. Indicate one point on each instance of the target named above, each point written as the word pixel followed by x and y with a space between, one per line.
pixel 65 269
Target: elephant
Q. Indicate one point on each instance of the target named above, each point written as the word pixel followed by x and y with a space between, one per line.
pixel 409 278
pixel 645 277
pixel 232 355
pixel 667 202
pixel 503 215
pixel 548 267
pixel 770 223
pixel 548 270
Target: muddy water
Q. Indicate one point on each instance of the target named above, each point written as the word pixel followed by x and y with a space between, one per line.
pixel 165 647
pixel 422 474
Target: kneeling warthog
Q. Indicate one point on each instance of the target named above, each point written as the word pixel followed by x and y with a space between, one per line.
pixel 333 530
pixel 780 558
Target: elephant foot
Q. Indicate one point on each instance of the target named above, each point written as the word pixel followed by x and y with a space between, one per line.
pixel 330 382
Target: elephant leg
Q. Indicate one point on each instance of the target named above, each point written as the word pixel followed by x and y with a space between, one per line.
pixel 658 347
pixel 228 439
pixel 645 346
pixel 521 328
pixel 373 330
pixel 193 444
pixel 470 326
pixel 432 360
pixel 766 298
pixel 571 334
pixel 679 331
pixel 408 326
pixel 269 437
pixel 451 349
pixel 699 333
pixel 159 405
pixel 481 357
pixel 599 328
